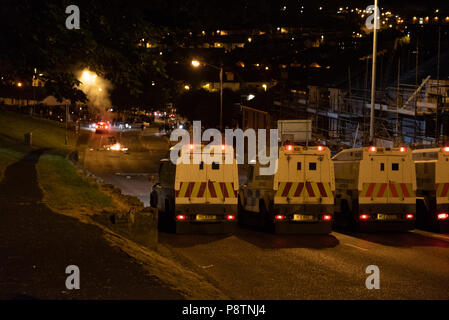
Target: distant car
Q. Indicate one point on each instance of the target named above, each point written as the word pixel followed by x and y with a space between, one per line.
pixel 101 127
pixel 123 125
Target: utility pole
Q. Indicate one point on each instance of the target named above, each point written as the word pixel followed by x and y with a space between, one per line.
pixel 196 64
pixel 364 100
pixel 66 123
pixel 397 96
pixel 221 98
pixel 416 81
pixel 373 76
pixel 437 125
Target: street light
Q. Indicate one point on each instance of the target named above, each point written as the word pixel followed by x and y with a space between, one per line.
pixel 196 64
pixel 373 76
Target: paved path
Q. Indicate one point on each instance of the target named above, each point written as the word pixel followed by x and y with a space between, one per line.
pixel 36 246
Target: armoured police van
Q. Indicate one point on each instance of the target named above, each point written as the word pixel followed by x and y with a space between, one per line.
pixel 375 189
pixel 432 176
pixel 197 198
pixel 298 198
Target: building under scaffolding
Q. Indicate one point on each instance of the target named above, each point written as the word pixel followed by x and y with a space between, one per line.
pixel 404 114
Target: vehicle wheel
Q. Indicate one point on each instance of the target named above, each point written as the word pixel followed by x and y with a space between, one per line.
pixel 169 210
pixel 344 220
pixel 266 221
pixel 153 199
pixel 240 207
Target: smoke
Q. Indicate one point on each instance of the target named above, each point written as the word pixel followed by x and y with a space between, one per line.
pixel 97 92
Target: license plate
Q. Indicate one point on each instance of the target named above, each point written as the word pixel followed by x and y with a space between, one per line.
pixel 386 216
pixel 203 217
pixel 302 217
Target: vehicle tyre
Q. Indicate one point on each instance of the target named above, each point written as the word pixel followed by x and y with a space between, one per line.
pixel 240 207
pixel 153 199
pixel 345 215
pixel 266 221
pixel 169 214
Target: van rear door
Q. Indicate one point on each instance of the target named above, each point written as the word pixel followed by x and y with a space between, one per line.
pixel 401 179
pixel 312 178
pixel 395 176
pixel 288 181
pixel 375 190
pixel 222 182
pixel 190 183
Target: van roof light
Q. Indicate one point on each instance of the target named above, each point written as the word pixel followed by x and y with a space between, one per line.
pixel 372 149
pixel 402 149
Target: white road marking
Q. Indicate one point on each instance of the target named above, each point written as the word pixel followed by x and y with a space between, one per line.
pixel 431 235
pixel 354 246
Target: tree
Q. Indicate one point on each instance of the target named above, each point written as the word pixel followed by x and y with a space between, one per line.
pixel 111 42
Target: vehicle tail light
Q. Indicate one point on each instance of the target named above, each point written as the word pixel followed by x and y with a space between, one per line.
pixel 230 217
pixel 372 149
pixel 409 216
pixel 106 127
pixel 364 217
pixel 443 216
pixel 326 217
pixel 180 217
pixel 402 149
pixel 289 147
pixel 279 217
pixel 446 149
pixel 320 148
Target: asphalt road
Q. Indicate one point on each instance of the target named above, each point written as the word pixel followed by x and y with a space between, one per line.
pixel 256 265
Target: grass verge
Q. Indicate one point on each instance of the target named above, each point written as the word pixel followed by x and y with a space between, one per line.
pixel 66 190
pixel 45 133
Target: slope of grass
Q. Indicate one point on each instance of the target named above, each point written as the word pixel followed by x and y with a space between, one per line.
pixel 45 133
pixel 65 190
